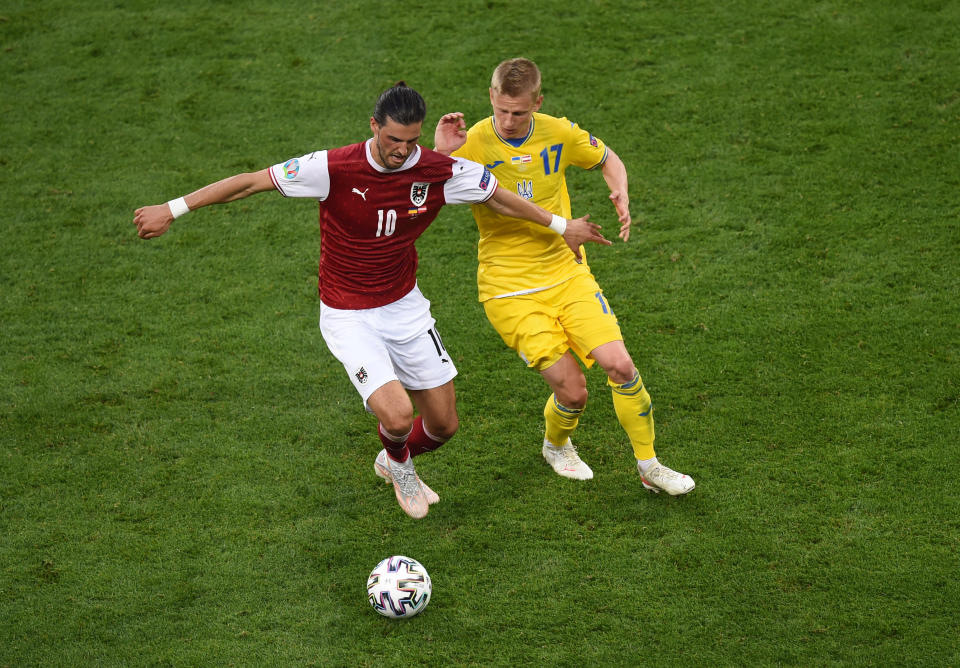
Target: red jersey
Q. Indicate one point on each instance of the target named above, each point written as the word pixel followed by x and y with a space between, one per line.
pixel 371 216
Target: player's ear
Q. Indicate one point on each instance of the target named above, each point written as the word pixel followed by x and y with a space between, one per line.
pixel 538 103
pixel 374 126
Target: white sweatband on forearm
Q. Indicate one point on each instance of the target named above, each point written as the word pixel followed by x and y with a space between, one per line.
pixel 558 224
pixel 178 207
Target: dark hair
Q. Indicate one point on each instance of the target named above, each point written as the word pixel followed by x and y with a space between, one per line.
pixel 400 103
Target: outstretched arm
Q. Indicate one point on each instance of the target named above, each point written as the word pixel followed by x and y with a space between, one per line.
pixel 615 174
pixel 575 232
pixel 154 220
pixel 450 134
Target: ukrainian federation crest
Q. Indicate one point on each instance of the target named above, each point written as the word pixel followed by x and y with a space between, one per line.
pixel 525 189
pixel 418 193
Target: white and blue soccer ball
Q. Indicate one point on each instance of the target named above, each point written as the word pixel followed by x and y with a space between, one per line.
pixel 399 587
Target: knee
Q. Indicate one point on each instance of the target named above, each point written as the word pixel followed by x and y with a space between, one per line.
pixel 398 420
pixel 622 371
pixel 446 429
pixel 573 395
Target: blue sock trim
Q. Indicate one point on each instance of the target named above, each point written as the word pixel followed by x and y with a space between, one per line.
pixel 631 387
pixel 560 408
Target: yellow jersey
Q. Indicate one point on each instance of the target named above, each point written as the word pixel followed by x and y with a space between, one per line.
pixel 517 257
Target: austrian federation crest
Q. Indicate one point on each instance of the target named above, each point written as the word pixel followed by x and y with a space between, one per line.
pixel 418 193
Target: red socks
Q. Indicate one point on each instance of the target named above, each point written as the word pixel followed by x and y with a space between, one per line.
pixel 396 449
pixel 418 441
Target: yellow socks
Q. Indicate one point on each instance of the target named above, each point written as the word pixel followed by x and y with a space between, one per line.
pixel 631 401
pixel 561 421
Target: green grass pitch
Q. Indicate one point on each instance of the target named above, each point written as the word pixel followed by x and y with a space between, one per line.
pixel 186 474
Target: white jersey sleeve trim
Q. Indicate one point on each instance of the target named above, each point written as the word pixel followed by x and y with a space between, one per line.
pixel 306 176
pixel 471 183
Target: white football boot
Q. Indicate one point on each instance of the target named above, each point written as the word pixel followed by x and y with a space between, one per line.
pixel 565 460
pixel 381 468
pixel 659 478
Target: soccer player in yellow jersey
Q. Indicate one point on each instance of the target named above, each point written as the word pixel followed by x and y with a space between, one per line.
pixel 542 301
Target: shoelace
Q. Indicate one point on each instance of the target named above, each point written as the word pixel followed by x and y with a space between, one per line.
pixel 569 453
pixel 407 480
pixel 663 473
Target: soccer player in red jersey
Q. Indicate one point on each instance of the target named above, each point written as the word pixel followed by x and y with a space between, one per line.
pixel 376 198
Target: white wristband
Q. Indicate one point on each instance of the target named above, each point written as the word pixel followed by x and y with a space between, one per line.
pixel 178 207
pixel 558 224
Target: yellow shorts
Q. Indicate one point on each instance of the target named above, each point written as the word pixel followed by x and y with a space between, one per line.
pixel 543 325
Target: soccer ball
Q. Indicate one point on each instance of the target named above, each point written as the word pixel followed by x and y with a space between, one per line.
pixel 399 587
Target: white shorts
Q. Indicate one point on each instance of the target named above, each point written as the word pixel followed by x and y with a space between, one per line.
pixel 393 342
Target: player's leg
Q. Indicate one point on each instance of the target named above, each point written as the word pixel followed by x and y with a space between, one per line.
pixel 565 406
pixel 353 338
pixel 561 416
pixel 529 325
pixel 566 379
pixel 634 410
pixel 394 412
pixel 438 420
pixel 438 413
pixel 631 401
pixel 394 463
pixel 592 326
pixel 426 371
pixel 437 406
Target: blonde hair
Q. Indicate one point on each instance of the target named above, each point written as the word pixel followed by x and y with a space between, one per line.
pixel 516 77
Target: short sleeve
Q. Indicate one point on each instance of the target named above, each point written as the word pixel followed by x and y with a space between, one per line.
pixel 306 176
pixel 587 151
pixel 471 183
